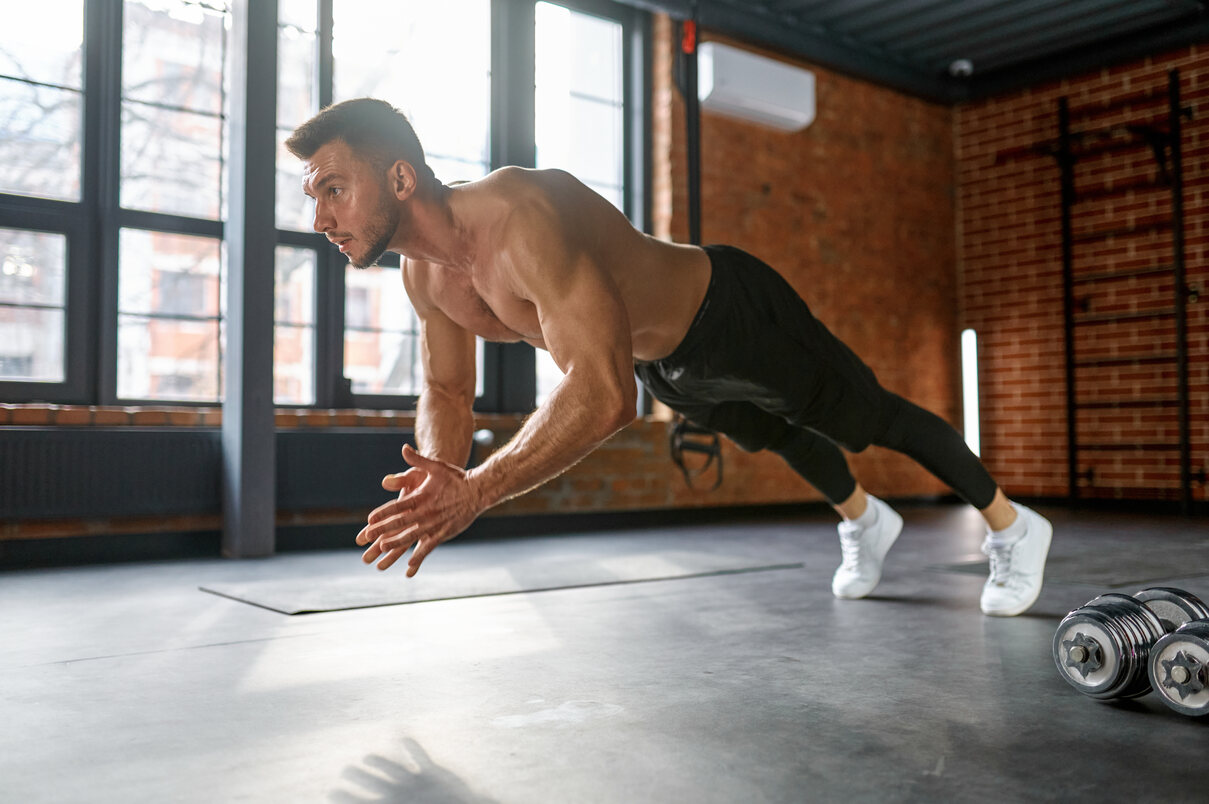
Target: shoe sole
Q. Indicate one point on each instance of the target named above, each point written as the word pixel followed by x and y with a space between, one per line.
pixel 890 543
pixel 1021 609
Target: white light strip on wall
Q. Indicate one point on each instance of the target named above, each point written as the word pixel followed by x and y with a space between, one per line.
pixel 969 389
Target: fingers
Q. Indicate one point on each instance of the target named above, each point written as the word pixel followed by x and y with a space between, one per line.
pixel 404 481
pixel 390 559
pixel 386 523
pixel 389 556
pixel 372 552
pixel 394 482
pixel 390 553
pixel 387 530
pixel 415 459
pixel 391 510
pixel 423 548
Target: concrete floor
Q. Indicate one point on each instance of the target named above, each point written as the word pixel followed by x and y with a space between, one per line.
pixel 126 684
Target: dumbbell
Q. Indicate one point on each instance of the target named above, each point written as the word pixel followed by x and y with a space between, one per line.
pixel 1103 648
pixel 1179 668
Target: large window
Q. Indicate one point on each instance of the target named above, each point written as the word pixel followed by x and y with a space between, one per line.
pixel 113 162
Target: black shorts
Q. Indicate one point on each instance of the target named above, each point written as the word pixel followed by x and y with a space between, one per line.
pixel 755 362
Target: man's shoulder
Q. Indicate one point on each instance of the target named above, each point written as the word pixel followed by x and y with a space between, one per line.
pixel 525 183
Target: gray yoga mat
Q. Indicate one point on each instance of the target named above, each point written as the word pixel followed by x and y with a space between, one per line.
pixel 372 588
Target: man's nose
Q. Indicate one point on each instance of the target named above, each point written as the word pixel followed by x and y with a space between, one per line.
pixel 323 220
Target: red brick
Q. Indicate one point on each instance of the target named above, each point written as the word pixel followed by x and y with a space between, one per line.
pixel 31 414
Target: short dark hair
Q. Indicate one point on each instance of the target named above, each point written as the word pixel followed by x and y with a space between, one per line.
pixel 375 130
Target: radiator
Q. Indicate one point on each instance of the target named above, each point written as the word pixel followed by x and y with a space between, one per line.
pixel 130 471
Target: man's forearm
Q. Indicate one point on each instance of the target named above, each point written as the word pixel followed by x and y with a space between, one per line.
pixel 574 421
pixel 444 427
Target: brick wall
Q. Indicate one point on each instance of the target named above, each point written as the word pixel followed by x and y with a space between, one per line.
pixel 856 211
pixel 1010 261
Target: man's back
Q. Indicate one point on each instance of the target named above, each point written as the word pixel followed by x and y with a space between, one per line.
pixel 521 224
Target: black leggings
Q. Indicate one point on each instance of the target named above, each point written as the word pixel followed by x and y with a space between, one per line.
pixel 759 368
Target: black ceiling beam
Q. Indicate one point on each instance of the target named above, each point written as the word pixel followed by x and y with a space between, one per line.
pixel 1054 25
pixel 1128 47
pixel 828 50
pixel 781 31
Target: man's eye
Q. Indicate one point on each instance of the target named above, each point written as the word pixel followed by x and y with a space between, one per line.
pixel 335 191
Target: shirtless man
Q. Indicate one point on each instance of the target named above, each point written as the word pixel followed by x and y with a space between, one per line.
pixel 536 256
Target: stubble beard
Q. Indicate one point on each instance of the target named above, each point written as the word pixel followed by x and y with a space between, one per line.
pixel 379 233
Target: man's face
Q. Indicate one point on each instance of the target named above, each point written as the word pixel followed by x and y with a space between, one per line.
pixel 352 206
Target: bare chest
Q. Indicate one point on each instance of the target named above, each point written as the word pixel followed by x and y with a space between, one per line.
pixel 492 313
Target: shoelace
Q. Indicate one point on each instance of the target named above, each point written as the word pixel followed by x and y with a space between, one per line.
pixel 1001 562
pixel 850 547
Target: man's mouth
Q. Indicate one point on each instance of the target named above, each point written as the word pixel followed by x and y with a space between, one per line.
pixel 343 244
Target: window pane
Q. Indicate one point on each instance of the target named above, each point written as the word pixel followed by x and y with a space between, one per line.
pixel 381 346
pixel 294 339
pixel 169 304
pixel 580 120
pixel 590 144
pixel 171 161
pixel 40 126
pixel 173 53
pixel 32 267
pixel 579 51
pixel 46 44
pixel 173 59
pixel 294 210
pixel 294 365
pixel 167 359
pixel 31 344
pixel 548 375
pixel 392 51
pixel 32 301
pixel 580 114
pixel 300 14
pixel 40 133
pixel 295 286
pixel 297 100
pixel 381 362
pixel 152 265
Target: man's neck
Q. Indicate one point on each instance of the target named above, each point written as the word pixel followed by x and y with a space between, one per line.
pixel 430 232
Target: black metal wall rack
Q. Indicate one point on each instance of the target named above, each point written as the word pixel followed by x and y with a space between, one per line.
pixel 1083 137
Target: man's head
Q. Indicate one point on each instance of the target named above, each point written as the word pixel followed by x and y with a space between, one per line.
pixel 362 161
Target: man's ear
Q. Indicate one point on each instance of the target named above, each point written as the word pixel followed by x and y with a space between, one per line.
pixel 401 178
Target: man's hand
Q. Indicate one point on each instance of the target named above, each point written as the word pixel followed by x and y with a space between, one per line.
pixel 436 503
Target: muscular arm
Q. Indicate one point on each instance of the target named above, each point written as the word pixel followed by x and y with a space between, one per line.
pixel 585 327
pixel 444 418
pixel 444 411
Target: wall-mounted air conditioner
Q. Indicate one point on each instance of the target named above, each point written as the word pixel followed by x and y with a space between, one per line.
pixel 740 84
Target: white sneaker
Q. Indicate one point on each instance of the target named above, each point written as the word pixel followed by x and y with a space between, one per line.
pixel 1017 567
pixel 864 549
